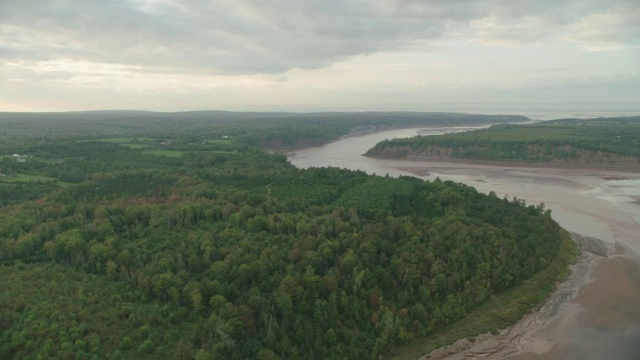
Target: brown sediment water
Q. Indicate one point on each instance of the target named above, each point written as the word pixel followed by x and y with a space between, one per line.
pixel 594 315
pixel 601 322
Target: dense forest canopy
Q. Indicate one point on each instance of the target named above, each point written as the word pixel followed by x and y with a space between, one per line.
pixel 208 247
pixel 611 141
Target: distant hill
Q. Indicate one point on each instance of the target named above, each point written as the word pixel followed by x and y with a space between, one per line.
pixel 264 129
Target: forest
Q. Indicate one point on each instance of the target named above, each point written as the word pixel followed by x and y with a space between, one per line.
pixel 204 246
pixel 611 142
pixel 265 130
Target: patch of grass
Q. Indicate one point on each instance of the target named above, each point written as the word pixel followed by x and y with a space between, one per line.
pixel 169 153
pixel 178 153
pixel 135 146
pixel 52 160
pixel 27 178
pixel 225 152
pixel 131 143
pixel 219 141
pixel 501 310
pixel 31 178
pixel 124 140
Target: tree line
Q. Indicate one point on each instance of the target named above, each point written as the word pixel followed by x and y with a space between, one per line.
pixel 603 142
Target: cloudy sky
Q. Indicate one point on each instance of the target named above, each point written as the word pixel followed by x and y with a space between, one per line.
pixel 302 55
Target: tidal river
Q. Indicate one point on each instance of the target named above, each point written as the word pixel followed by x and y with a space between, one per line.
pixel 597 318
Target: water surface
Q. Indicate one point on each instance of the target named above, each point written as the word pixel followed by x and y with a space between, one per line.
pixel 598 203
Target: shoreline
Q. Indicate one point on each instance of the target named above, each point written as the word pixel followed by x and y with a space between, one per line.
pixel 582 328
pixel 306 144
pixel 592 315
pixel 522 337
pixel 633 169
pixel 311 144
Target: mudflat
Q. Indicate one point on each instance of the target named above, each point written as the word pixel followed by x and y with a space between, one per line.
pixel 593 315
pixel 601 322
pixel 597 314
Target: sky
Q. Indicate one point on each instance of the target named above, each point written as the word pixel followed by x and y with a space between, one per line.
pixel 301 55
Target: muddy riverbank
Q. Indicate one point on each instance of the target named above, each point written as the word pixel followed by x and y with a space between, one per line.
pixel 594 314
pixel 599 316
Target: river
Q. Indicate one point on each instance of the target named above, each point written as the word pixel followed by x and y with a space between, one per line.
pixel 601 318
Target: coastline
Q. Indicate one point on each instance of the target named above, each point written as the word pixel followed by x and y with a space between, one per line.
pixel 523 340
pixel 584 201
pixel 626 168
pixel 597 320
pixel 307 143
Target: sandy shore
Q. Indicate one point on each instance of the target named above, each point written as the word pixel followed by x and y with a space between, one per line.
pixel 594 314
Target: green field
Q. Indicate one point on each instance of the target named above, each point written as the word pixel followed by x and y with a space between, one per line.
pixel 219 141
pixel 136 146
pixel 27 178
pixel 170 153
pixel 22 178
pixel 126 140
pixel 52 161
pixel 132 143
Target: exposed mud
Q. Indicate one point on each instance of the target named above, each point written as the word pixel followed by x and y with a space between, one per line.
pixel 597 315
pixel 522 336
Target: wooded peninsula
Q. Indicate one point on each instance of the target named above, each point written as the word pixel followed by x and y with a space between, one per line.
pixel 608 142
pixel 155 236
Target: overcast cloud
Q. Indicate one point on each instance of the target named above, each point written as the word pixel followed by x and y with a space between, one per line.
pixel 83 54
